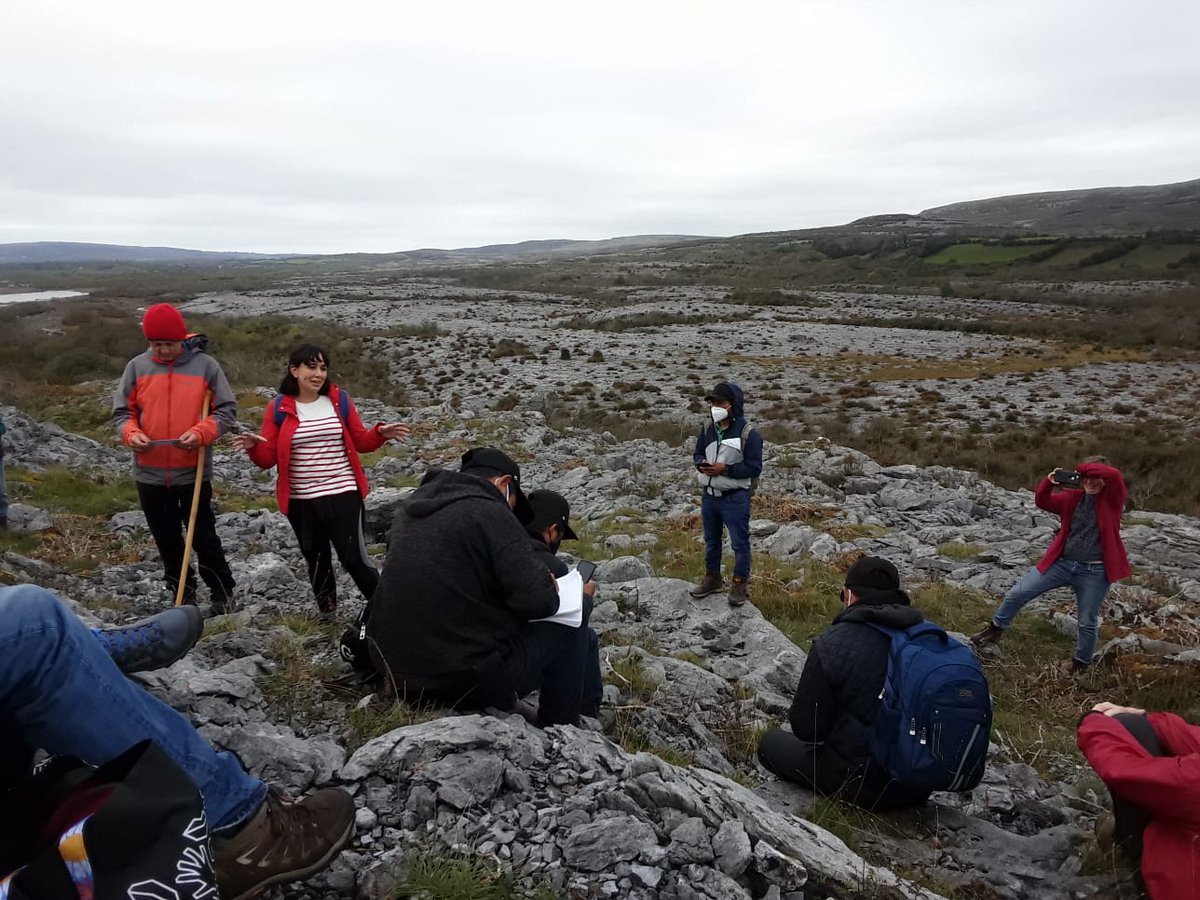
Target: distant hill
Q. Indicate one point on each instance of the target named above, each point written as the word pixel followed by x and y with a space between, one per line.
pixel 72 252
pixel 1109 210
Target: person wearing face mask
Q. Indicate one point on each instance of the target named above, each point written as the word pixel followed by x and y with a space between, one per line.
pixel 550 527
pixel 453 618
pixel 1087 553
pixel 729 459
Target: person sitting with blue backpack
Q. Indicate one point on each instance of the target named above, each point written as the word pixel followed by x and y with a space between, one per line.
pixel 889 708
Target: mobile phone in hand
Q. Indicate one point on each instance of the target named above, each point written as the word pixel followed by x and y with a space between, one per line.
pixel 586 570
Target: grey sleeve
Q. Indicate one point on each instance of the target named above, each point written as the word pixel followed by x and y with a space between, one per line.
pixel 224 403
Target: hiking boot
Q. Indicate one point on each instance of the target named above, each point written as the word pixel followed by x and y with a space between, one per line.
pixel 989 635
pixel 221 606
pixel 709 585
pixel 1078 667
pixel 740 592
pixel 284 841
pixel 153 643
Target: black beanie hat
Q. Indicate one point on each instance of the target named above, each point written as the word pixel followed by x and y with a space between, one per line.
pixel 873 573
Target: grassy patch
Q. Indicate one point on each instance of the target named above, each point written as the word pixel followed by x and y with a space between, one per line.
pixel 629 674
pixel 977 254
pixel 435 872
pixel 295 688
pixel 62 490
pixel 885 367
pixel 375 719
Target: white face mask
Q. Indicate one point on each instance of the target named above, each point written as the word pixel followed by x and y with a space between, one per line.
pixel 719 414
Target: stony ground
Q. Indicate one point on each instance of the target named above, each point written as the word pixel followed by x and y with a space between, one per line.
pixel 680 809
pixel 796 363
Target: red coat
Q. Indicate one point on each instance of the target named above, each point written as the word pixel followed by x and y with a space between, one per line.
pixel 276 450
pixel 1110 503
pixel 1167 787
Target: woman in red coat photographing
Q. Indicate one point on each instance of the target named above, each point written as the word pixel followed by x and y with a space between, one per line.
pixel 312 432
pixel 1150 763
pixel 1087 552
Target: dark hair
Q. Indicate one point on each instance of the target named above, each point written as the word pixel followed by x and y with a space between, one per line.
pixel 305 353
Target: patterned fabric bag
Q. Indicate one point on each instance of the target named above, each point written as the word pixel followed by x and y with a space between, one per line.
pixel 133 829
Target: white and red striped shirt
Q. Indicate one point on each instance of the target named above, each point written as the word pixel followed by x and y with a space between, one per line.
pixel 319 463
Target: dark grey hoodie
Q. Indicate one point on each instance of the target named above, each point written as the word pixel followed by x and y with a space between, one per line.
pixel 460 579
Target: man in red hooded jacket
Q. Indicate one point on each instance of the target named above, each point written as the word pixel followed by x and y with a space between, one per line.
pixel 1150 763
pixel 157 414
pixel 1086 553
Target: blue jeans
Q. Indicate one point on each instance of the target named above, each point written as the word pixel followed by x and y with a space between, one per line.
pixel 60 691
pixel 731 511
pixel 3 490
pixel 1090 584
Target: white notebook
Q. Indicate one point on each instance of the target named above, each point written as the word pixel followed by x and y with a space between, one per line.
pixel 570 601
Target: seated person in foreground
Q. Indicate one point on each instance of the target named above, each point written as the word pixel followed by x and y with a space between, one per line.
pixel 839 699
pixel 454 618
pixel 61 691
pixel 1150 763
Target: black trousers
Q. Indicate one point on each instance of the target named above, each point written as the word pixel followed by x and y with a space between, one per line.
pixel 792 759
pixel 559 661
pixel 1129 818
pixel 167 510
pixel 337 521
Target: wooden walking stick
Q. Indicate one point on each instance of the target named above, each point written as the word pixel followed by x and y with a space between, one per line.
pixel 191 528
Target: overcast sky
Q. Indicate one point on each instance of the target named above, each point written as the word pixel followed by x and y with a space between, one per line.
pixel 379 126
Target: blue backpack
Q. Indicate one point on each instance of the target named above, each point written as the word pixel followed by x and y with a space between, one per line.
pixel 343 408
pixel 935 711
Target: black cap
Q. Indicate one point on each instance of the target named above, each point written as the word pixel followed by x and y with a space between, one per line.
pixel 873 573
pixel 550 508
pixel 490 462
pixel 722 392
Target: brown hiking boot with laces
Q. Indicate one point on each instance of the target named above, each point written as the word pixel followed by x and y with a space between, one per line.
pixel 284 841
pixel 710 584
pixel 739 594
pixel 989 635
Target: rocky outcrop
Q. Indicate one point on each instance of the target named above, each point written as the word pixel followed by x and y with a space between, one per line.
pixel 692 681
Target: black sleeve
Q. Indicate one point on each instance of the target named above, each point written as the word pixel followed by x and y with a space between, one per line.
pixel 814 708
pixel 529 590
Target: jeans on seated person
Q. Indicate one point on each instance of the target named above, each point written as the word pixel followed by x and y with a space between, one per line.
pixel 60 691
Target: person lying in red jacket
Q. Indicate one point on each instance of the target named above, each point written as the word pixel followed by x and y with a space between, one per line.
pixel 1150 763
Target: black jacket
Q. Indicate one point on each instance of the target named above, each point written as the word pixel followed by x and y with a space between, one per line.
pixel 546 556
pixel 460 580
pixel 838 695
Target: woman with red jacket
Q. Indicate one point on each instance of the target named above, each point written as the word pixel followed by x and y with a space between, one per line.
pixel 1086 553
pixel 1150 763
pixel 313 434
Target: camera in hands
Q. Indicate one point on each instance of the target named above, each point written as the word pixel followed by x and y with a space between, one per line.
pixel 1068 479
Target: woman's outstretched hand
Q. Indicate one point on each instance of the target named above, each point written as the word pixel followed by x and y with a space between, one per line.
pixel 395 431
pixel 247 439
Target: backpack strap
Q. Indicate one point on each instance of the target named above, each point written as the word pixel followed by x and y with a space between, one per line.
pixel 343 409
pixel 912 632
